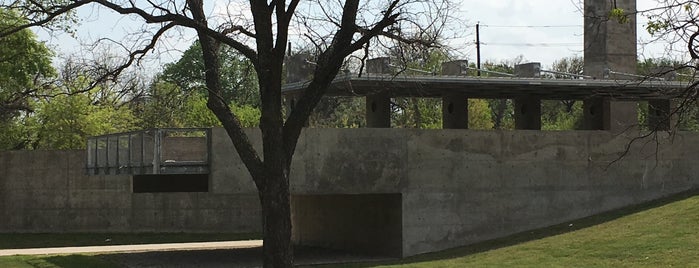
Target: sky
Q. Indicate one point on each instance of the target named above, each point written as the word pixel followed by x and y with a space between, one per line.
pixel 538 30
pixel 556 30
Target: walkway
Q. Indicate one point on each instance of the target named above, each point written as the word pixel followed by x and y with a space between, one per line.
pixel 135 248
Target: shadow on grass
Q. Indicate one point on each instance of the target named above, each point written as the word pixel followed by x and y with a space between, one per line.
pixel 213 258
pixel 530 235
pixel 76 261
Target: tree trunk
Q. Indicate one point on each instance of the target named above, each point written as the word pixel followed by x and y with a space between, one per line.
pixel 276 216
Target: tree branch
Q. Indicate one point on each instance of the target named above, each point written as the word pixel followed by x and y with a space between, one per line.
pixel 229 120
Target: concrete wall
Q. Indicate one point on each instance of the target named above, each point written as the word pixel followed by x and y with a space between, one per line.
pixel 459 187
pixel 48 191
pixel 456 187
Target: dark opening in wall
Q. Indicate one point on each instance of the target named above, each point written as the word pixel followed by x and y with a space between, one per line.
pixel 357 223
pixel 170 183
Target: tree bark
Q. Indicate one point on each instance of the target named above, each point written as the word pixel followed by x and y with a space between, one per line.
pixel 276 210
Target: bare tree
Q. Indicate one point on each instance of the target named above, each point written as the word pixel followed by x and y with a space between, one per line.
pixel 260 30
pixel 676 23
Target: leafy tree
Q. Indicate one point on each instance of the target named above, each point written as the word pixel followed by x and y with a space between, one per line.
pixel 65 122
pixel 346 27
pixel 25 65
pixel 338 112
pixel 502 110
pixel 238 81
pixel 479 114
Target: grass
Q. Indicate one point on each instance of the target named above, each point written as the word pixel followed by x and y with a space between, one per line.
pixel 23 240
pixel 64 261
pixel 661 233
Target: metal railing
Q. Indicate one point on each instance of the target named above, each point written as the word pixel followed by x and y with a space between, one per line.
pixel 154 151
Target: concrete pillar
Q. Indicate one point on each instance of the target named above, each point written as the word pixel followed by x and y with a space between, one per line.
pixel 528 113
pixel 609 45
pixel 298 69
pixel 378 105
pixel 659 115
pixel 528 109
pixel 454 105
pixel 592 114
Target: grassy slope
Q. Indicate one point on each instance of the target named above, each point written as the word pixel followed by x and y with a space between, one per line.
pixel 665 235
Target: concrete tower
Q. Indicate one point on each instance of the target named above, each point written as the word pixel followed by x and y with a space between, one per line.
pixel 609 45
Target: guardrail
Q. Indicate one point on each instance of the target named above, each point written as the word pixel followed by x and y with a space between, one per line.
pixel 153 151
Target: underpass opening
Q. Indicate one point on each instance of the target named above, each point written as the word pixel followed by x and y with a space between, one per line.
pixel 368 224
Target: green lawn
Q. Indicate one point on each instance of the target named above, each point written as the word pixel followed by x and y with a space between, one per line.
pixel 67 261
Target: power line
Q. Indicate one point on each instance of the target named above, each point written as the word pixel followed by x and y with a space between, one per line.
pixel 531 26
pixel 531 44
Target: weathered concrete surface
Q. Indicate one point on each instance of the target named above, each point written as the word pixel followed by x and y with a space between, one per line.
pixel 48 191
pixel 609 46
pixel 463 186
pixel 456 187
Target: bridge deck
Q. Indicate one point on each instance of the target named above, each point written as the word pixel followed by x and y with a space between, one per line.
pixel 497 88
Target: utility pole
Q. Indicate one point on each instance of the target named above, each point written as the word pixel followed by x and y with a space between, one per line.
pixel 478 48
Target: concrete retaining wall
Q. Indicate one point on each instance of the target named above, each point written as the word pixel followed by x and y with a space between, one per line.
pixel 455 187
pixel 461 186
pixel 48 191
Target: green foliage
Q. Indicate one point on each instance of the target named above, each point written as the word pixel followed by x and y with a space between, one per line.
pixel 65 121
pixel 655 26
pixel 238 77
pixel 338 112
pixel 619 15
pixel 479 114
pixel 417 113
pixel 14 133
pixel 24 63
pixel 561 115
pixel 169 106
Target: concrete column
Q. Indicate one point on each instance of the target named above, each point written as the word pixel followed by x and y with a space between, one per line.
pixel 298 69
pixel 528 109
pixel 378 110
pixel 659 111
pixel 659 115
pixel 378 105
pixel 454 105
pixel 609 45
pixel 592 114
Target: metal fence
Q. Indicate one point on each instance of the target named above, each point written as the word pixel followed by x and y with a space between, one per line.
pixel 154 151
